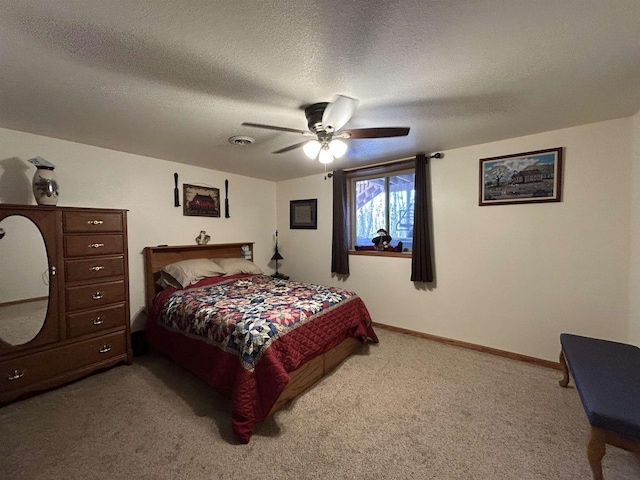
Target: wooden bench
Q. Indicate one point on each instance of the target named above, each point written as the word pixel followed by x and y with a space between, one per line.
pixel 607 377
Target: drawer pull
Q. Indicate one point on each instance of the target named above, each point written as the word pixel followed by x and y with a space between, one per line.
pixel 97 268
pixel 105 348
pixel 95 222
pixel 96 245
pixel 97 295
pixel 98 321
pixel 16 375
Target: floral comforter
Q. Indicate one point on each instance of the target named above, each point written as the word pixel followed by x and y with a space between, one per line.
pixel 246 315
pixel 244 335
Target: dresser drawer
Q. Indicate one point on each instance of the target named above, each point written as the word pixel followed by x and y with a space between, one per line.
pixel 99 267
pixel 94 296
pixel 90 245
pixel 79 222
pixel 22 372
pixel 84 323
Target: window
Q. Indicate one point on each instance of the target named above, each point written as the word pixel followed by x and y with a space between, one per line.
pixel 382 198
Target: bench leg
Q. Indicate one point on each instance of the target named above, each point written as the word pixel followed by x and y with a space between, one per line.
pixel 565 370
pixel 595 451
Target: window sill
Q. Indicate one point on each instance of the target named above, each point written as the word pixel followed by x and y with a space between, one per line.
pixel 374 253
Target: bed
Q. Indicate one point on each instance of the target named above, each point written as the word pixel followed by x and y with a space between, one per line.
pixel 261 340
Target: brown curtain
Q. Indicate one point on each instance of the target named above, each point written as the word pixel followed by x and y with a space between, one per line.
pixel 340 246
pixel 421 264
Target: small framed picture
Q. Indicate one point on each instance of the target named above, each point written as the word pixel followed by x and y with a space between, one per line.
pixel 530 177
pixel 303 214
pixel 200 201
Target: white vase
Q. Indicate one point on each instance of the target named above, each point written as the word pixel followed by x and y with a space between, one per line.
pixel 45 186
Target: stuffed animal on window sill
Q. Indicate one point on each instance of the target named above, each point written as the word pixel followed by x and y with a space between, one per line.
pixel 382 241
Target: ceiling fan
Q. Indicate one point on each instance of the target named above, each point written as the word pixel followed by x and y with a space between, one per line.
pixel 325 121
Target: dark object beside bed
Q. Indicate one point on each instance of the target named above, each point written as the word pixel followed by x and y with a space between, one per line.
pixel 139 343
pixel 607 377
pixel 296 355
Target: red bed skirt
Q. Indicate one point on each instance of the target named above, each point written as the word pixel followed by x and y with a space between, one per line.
pixel 254 392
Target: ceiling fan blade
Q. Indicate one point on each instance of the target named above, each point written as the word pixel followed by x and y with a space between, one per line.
pixel 380 132
pixel 272 127
pixel 338 113
pixel 291 147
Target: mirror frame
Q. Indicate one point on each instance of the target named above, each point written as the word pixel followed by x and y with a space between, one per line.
pixel 46 223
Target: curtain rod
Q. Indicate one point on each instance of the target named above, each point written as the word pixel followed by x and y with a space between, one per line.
pixel 397 160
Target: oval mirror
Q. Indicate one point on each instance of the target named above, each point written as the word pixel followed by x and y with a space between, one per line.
pixel 24 289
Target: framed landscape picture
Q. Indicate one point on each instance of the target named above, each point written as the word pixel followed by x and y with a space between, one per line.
pixel 530 177
pixel 303 214
pixel 200 201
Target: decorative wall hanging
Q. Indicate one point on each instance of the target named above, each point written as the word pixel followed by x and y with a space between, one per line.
pixel 200 201
pixel 303 214
pixel 226 199
pixel 530 177
pixel 176 192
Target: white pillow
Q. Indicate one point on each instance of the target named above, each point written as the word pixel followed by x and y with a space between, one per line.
pixel 187 272
pixel 167 280
pixel 237 265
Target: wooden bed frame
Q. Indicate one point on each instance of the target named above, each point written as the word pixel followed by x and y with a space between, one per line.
pixel 301 379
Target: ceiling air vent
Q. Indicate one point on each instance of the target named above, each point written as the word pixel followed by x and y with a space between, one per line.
pixel 241 140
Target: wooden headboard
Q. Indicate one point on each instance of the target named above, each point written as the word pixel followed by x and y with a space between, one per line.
pixel 157 257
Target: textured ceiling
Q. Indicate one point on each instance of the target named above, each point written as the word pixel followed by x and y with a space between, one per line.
pixel 175 79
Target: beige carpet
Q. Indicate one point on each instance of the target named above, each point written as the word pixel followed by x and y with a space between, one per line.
pixel 408 409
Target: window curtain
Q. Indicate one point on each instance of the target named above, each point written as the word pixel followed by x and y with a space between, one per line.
pixel 340 247
pixel 421 264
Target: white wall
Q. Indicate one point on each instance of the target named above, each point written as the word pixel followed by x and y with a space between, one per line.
pixel 97 177
pixel 634 284
pixel 510 277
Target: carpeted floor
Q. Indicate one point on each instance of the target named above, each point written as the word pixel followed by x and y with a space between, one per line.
pixel 407 408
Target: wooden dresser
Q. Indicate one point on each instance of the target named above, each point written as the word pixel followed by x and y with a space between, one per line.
pixel 86 325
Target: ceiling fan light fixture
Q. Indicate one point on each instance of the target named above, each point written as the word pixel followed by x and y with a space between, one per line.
pixel 325 121
pixel 325 154
pixel 311 148
pixel 338 148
